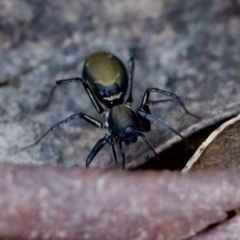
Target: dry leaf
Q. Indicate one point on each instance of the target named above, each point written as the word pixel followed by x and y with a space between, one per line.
pixel 220 149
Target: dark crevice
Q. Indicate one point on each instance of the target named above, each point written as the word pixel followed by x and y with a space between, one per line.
pixel 176 157
pixel 231 214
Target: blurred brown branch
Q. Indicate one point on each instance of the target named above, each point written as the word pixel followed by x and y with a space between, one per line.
pixel 49 202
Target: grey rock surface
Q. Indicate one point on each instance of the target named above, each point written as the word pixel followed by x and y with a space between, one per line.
pixel 190 48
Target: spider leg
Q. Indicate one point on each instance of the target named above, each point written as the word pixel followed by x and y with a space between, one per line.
pixel 159 101
pixel 114 154
pixel 151 118
pixel 4 83
pixel 99 145
pixel 146 95
pixel 123 154
pixel 89 119
pixel 131 66
pixel 146 141
pixel 89 91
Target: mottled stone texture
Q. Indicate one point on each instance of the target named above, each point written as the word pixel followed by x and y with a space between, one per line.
pixel 188 47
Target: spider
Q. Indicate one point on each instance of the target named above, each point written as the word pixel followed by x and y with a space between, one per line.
pixel 108 82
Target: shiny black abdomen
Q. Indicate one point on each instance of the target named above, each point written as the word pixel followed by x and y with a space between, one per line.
pixel 107 77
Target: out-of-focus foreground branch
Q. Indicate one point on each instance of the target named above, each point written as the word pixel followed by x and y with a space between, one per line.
pixel 49 202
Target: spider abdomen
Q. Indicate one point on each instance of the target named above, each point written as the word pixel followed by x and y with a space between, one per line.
pixel 107 77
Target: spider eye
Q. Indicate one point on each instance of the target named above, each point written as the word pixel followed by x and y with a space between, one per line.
pixel 101 93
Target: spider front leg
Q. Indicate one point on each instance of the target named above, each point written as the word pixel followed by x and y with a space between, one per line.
pixel 123 154
pixel 114 154
pixel 99 145
pixel 149 145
